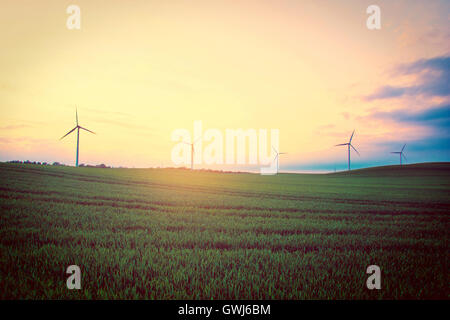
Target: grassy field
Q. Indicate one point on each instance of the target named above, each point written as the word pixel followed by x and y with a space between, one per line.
pixel 176 234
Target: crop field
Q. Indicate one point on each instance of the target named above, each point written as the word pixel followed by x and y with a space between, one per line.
pixel 178 234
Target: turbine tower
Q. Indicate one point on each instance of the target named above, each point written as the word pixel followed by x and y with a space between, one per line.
pixel 192 151
pixel 349 144
pixel 77 127
pixel 400 153
pixel 277 154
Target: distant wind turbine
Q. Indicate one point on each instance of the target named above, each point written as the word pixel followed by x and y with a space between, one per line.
pixel 192 151
pixel 78 127
pixel 349 144
pixel 277 154
pixel 401 154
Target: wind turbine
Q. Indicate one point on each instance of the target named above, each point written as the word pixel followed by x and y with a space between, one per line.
pixel 349 144
pixel 192 151
pixel 400 153
pixel 277 154
pixel 78 127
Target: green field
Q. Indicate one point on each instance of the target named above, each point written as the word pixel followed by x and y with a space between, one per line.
pixel 177 234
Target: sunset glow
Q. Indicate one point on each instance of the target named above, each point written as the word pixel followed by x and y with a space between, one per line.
pixel 138 72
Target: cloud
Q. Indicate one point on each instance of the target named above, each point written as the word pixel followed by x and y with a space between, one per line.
pixel 437 63
pixel 29 140
pixel 437 116
pixel 434 146
pixel 431 148
pixel 430 115
pixel 433 75
pixel 15 127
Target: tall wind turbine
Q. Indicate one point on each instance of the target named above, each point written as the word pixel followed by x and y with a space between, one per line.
pixel 349 144
pixel 78 127
pixel 277 155
pixel 400 153
pixel 192 151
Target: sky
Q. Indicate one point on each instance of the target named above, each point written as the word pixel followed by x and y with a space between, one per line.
pixel 138 70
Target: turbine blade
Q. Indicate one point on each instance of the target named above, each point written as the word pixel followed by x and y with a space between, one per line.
pixel 342 144
pixel 351 137
pixel 86 129
pixel 355 149
pixel 68 133
pixel 403 147
pixel 274 150
pixel 283 153
pixel 395 152
pixel 404 156
pixel 276 156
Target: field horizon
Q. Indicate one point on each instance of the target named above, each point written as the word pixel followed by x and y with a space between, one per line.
pixel 181 234
pixel 416 165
